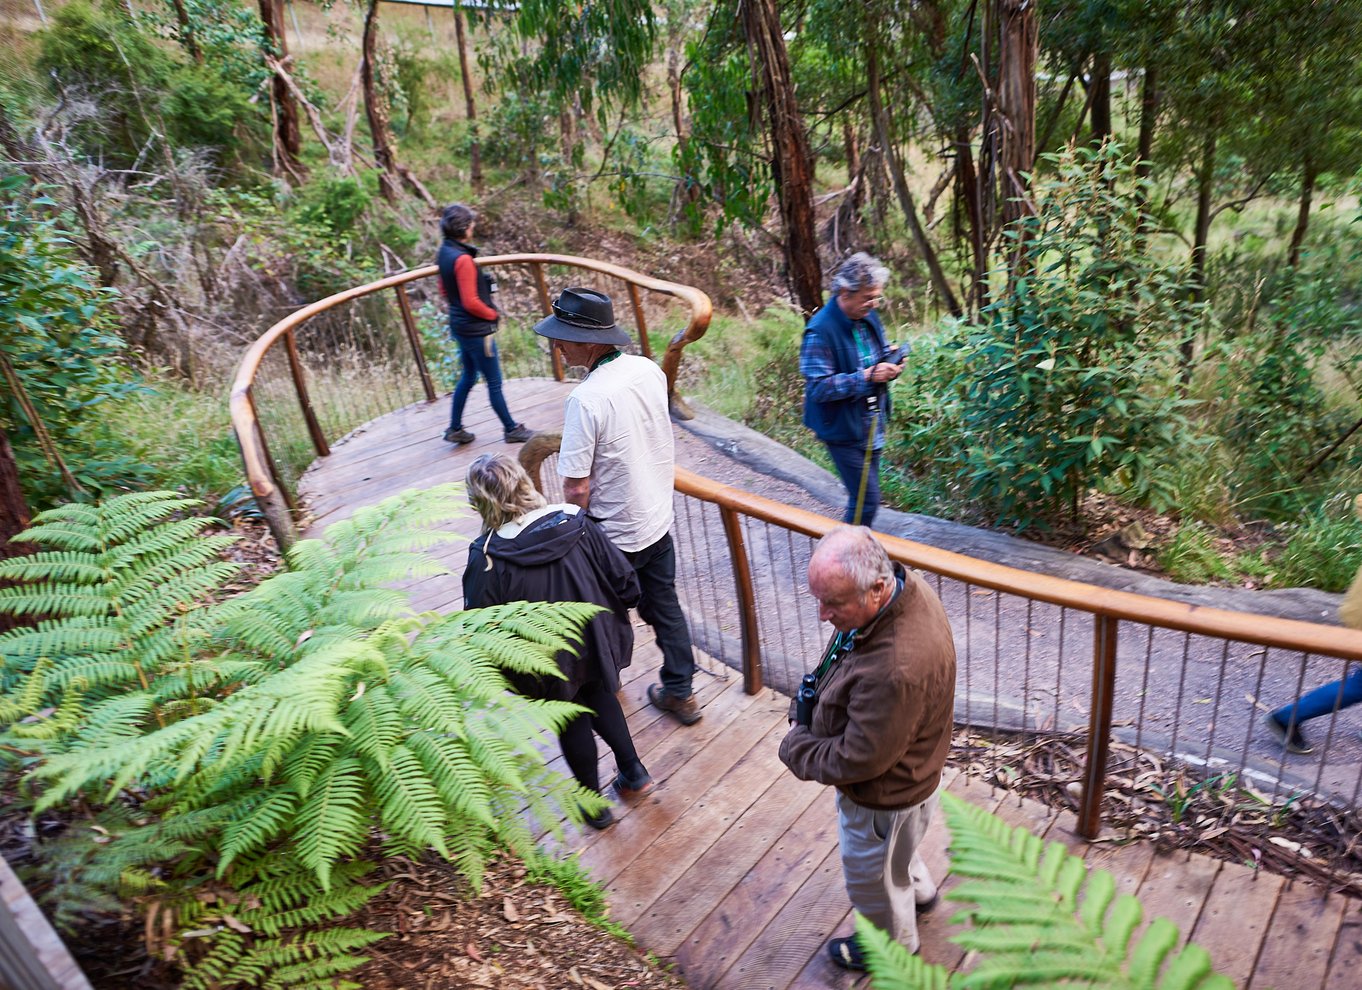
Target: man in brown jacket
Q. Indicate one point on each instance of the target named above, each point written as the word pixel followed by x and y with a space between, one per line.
pixel 880 728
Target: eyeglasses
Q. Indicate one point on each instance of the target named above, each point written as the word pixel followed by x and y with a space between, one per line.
pixel 578 319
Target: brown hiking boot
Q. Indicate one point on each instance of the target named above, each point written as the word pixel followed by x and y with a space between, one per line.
pixel 684 710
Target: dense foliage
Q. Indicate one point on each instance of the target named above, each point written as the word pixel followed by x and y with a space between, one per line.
pixel 238 763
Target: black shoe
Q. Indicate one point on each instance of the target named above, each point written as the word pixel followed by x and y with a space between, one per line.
pixel 632 790
pixel 602 821
pixel 847 954
pixel 518 434
pixel 1293 741
pixel 458 436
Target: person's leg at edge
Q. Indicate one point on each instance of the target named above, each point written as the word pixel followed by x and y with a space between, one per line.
pixel 468 352
pixel 872 491
pixel 1331 697
pixel 490 365
pixel 610 724
pixel 881 873
pixel 579 750
pixel 660 608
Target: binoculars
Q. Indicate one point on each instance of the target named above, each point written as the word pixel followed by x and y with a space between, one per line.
pixel 805 698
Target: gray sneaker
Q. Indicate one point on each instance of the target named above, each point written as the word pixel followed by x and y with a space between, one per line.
pixel 518 433
pixel 684 710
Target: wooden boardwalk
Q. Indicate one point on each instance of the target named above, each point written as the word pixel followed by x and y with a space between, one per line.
pixel 730 867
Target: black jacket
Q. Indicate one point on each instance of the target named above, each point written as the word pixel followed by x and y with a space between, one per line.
pixel 561 557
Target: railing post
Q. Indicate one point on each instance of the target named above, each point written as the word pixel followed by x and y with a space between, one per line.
pixel 272 495
pixel 295 366
pixel 414 338
pixel 747 600
pixel 641 322
pixel 1099 724
pixel 545 308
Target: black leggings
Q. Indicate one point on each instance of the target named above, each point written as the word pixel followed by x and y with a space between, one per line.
pixel 579 745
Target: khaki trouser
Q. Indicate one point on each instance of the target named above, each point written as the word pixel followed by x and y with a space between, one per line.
pixel 886 877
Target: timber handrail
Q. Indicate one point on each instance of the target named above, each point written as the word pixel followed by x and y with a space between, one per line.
pixel 277 502
pixel 1107 606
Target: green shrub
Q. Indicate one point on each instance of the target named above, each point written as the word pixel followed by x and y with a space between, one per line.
pixel 1323 549
pixel 147 92
pixel 1192 558
pixel 1070 380
pixel 61 351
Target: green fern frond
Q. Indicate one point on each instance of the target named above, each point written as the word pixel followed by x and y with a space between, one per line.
pixel 1042 919
pixel 409 804
pixel 375 723
pixel 892 967
pixel 260 825
pixel 332 823
pixel 455 775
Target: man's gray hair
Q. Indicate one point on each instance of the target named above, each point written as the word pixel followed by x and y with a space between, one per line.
pixel 858 272
pixel 500 490
pixel 858 555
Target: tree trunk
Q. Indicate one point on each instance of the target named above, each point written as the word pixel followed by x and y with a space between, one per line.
pixel 191 43
pixel 376 108
pixel 967 190
pixel 474 146
pixel 14 518
pixel 1308 177
pixel 14 514
pixel 1149 114
pixel 288 138
pixel 905 196
pixel 1100 115
pixel 376 111
pixel 567 136
pixel 791 160
pixel 1205 187
pixel 1017 104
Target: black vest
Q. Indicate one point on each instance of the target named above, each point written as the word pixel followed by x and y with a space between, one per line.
pixel 461 322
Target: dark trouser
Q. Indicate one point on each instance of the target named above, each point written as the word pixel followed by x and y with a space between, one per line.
pixel 479 356
pixel 656 569
pixel 849 459
pixel 579 745
pixel 1332 697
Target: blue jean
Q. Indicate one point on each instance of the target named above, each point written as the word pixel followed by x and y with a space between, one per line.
pixel 849 459
pixel 658 606
pixel 1332 697
pixel 479 356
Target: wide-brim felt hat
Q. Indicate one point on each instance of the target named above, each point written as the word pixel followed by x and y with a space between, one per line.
pixel 583 316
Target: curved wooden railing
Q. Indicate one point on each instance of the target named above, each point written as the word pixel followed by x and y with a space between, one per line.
pixel 742 576
pixel 1109 608
pixel 274 497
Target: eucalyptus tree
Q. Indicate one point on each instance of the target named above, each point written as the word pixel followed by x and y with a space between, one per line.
pixel 749 139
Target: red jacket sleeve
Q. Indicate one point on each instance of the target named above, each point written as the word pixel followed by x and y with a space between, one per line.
pixel 466 277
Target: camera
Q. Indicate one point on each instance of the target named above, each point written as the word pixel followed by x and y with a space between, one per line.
pixel 895 354
pixel 805 698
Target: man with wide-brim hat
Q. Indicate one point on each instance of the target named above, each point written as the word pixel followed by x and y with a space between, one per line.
pixel 617 462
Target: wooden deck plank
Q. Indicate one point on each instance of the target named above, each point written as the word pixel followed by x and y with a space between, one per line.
pixel 758 897
pixel 1235 919
pixel 1299 942
pixel 1345 967
pixel 1175 887
pixel 709 816
pixel 702 890
pixel 799 930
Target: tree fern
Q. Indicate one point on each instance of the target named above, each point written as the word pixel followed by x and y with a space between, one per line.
pixel 274 738
pixel 1041 918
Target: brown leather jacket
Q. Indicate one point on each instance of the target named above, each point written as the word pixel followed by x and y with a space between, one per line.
pixel 882 725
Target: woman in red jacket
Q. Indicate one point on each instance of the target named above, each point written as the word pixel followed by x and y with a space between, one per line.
pixel 473 323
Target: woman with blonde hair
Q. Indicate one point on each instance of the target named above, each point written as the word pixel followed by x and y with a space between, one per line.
pixel 536 552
